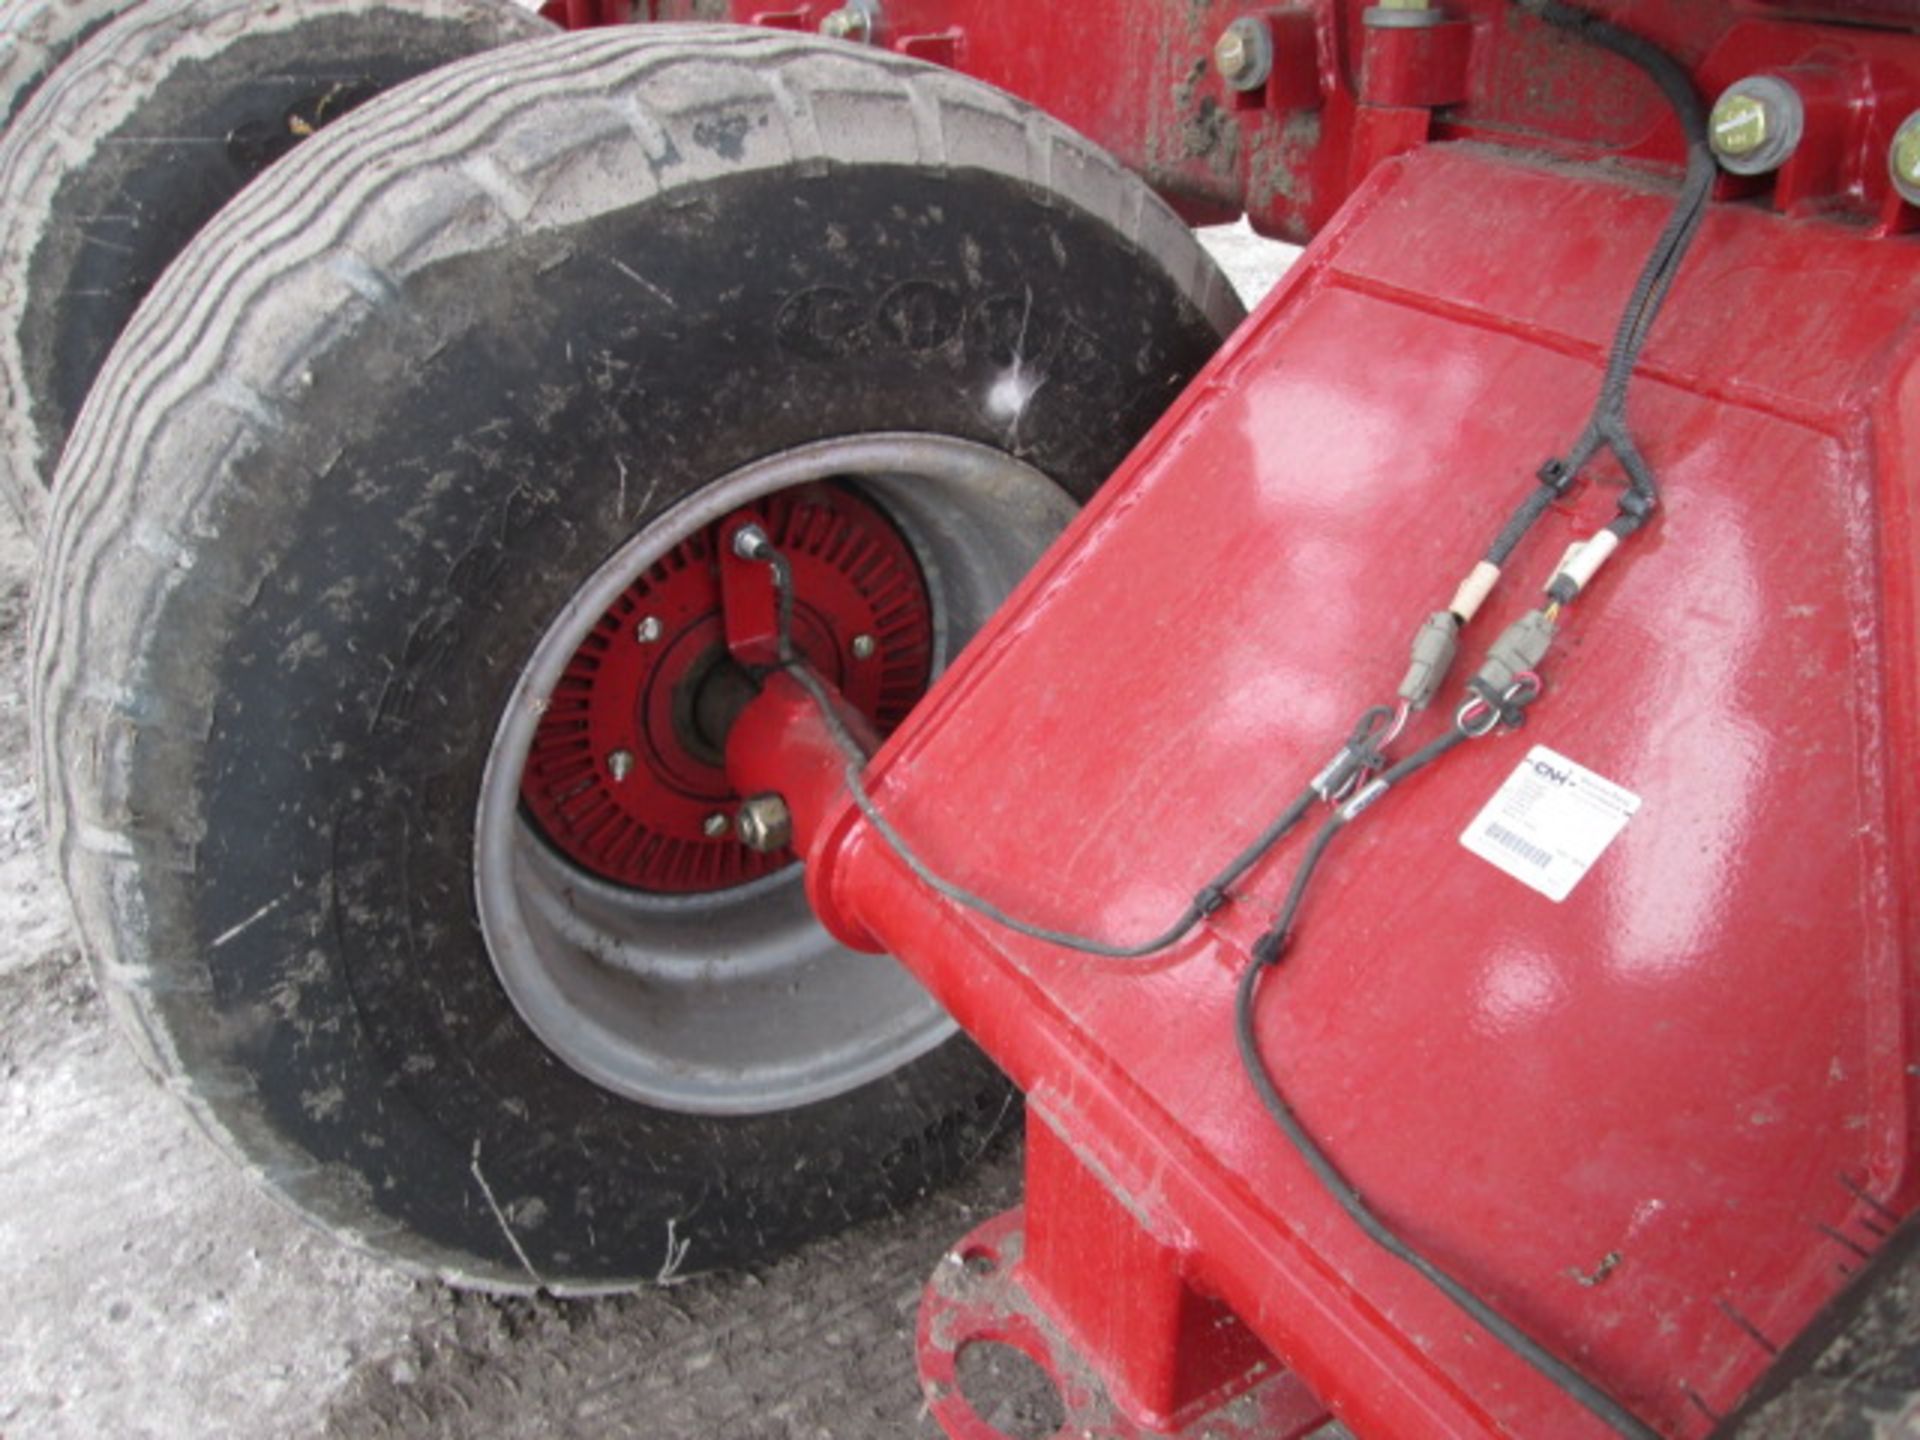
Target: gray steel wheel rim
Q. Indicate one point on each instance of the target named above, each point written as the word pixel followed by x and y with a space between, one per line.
pixel 738 1002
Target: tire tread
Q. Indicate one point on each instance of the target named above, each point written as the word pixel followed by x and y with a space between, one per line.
pixel 348 218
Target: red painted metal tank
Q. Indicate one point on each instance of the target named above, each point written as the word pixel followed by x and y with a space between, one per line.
pixel 1660 1122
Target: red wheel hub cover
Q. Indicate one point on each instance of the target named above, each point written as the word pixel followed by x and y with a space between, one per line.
pixel 620 781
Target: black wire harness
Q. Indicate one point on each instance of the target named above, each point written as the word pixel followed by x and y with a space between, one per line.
pixel 1360 775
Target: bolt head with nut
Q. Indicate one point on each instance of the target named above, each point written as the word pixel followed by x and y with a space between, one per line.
pixel 1243 55
pixel 1740 124
pixel 649 630
pixel 766 824
pixel 865 647
pixel 849 22
pixel 1756 125
pixel 1904 159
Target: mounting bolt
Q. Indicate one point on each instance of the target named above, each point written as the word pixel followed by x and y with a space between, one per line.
pixel 649 630
pixel 864 646
pixel 716 825
pixel 1402 15
pixel 1244 54
pixel 749 542
pixel 620 765
pixel 1904 159
pixel 1756 125
pixel 766 824
pixel 856 21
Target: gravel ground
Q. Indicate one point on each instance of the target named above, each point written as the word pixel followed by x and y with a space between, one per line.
pixel 152 1292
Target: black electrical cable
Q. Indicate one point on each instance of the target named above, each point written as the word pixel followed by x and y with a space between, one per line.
pixel 1210 898
pixel 1607 427
pixel 1270 946
pixel 1361 756
pixel 1267 952
pixel 1595 1400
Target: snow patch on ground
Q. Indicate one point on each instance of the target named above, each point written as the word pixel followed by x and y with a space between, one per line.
pixel 151 1290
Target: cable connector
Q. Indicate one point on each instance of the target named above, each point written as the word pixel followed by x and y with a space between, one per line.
pixel 1520 649
pixel 1435 644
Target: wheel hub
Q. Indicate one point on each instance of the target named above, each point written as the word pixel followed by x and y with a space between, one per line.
pixel 620 778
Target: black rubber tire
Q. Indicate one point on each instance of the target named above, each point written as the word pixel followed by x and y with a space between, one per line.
pixel 36 36
pixel 138 140
pixel 358 449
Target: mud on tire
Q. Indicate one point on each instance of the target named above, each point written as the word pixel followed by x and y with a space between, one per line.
pixel 359 449
pixel 139 138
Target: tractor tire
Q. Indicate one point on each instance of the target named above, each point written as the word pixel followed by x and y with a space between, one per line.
pixel 36 36
pixel 140 138
pixel 402 431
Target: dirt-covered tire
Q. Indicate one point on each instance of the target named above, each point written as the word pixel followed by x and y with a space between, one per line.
pixel 373 443
pixel 36 35
pixel 139 138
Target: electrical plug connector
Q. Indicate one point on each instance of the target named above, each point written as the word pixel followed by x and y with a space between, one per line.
pixel 1435 644
pixel 1521 648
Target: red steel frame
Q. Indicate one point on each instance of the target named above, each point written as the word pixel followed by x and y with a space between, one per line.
pixel 1664 1124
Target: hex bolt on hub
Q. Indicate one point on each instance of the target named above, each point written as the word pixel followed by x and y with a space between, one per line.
pixel 626 776
pixel 1243 55
pixel 1756 125
pixel 765 824
pixel 1904 159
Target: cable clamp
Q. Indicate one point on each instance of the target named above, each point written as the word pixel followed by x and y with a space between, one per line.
pixel 1556 475
pixel 1340 773
pixel 1211 899
pixel 1484 711
pixel 1365 800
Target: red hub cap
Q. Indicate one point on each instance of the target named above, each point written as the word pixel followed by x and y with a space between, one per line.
pixel 619 779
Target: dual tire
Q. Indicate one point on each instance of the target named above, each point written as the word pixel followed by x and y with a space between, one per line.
pixel 345 480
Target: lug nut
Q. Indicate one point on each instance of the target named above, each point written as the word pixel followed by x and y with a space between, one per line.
pixel 1756 125
pixel 620 765
pixel 850 22
pixel 1904 159
pixel 649 630
pixel 716 826
pixel 766 824
pixel 864 647
pixel 1243 55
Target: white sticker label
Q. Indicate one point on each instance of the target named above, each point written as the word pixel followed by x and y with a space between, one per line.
pixel 1549 823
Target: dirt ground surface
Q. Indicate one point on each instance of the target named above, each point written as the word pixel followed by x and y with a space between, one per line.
pixel 151 1291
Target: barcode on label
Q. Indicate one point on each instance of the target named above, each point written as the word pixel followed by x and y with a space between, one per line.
pixel 1525 849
